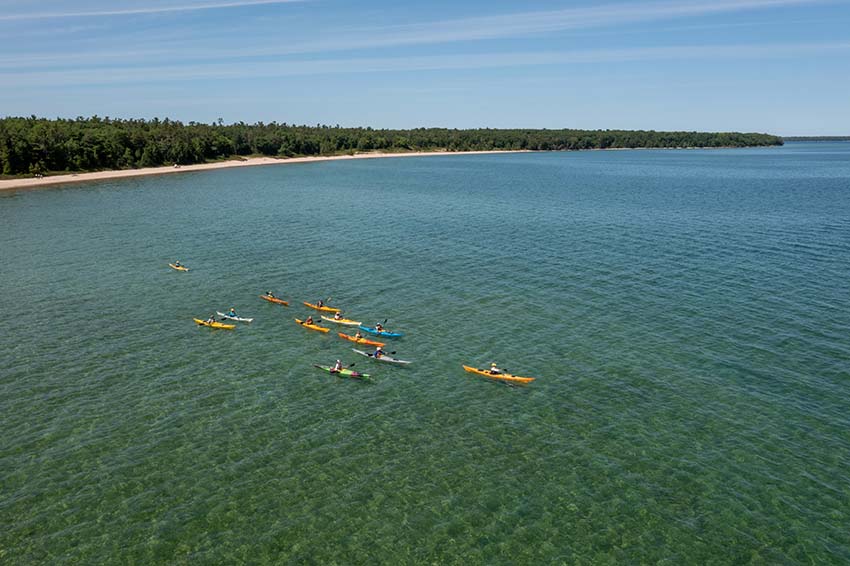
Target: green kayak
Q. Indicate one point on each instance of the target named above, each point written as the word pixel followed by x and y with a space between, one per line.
pixel 344 372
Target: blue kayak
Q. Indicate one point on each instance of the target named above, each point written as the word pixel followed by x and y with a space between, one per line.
pixel 372 330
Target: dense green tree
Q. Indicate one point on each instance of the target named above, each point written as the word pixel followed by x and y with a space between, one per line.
pixel 33 145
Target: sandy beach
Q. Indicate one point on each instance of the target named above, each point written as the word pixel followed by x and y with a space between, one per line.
pixel 34 183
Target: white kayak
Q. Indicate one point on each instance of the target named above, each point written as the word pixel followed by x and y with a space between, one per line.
pixel 345 321
pixel 384 358
pixel 236 318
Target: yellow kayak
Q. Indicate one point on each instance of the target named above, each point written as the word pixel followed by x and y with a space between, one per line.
pixel 502 376
pixel 214 324
pixel 322 308
pixel 345 321
pixel 312 326
pixel 178 267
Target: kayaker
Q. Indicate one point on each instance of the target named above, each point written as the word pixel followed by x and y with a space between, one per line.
pixel 211 319
pixel 320 303
pixel 177 263
pixel 232 312
pixel 494 369
pixel 337 315
pixel 379 327
pixel 269 294
pixel 337 366
pixel 358 335
pixel 378 352
pixel 309 320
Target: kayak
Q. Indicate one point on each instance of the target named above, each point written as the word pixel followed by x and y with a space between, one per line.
pixel 318 308
pixel 344 372
pixel 178 267
pixel 275 300
pixel 312 326
pixel 236 318
pixel 345 321
pixel 501 376
pixel 372 330
pixel 214 324
pixel 362 340
pixel 384 358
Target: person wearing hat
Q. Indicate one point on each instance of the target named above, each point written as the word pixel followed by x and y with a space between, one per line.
pixel 494 369
pixel 269 294
pixel 309 320
pixel 211 319
pixel 177 263
pixel 232 312
pixel 337 315
pixel 378 352
pixel 337 367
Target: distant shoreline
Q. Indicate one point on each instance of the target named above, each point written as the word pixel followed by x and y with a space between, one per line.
pixel 72 178
pixel 54 180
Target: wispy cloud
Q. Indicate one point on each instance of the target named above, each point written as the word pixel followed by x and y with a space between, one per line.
pixel 523 24
pixel 421 63
pixel 142 10
pixel 542 22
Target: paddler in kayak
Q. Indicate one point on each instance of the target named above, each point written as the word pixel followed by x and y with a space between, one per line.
pixel 494 369
pixel 379 327
pixel 337 315
pixel 232 312
pixel 211 319
pixel 337 367
pixel 269 295
pixel 358 335
pixel 320 303
pixel 378 352
pixel 177 263
pixel 309 320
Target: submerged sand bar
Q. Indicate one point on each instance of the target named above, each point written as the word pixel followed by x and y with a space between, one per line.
pixel 33 183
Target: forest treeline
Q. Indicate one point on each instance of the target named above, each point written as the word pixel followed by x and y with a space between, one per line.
pixel 38 145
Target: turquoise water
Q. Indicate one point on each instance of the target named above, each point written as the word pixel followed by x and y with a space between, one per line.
pixel 686 314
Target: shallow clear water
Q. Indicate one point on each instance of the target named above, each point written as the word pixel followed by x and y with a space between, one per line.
pixel 686 314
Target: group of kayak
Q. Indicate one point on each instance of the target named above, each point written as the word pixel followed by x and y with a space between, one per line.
pixel 338 368
pixel 357 338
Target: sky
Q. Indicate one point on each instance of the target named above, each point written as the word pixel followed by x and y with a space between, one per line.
pixel 777 66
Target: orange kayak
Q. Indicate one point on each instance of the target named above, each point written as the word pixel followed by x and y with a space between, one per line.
pixel 318 308
pixel 312 326
pixel 178 267
pixel 274 300
pixel 502 376
pixel 361 340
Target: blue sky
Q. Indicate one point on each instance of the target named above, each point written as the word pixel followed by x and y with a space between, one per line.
pixel 779 66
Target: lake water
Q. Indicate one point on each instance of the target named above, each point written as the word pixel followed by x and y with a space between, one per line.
pixel 686 314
